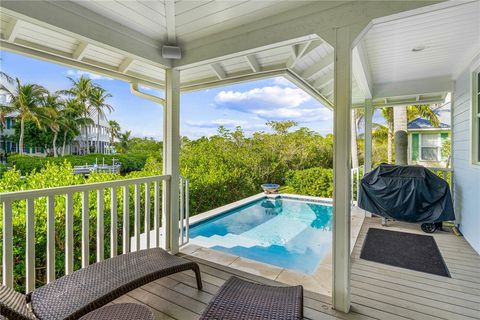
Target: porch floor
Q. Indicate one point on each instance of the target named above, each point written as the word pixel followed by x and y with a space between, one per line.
pixel 378 291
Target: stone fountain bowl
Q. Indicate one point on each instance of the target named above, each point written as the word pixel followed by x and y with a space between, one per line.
pixel 270 188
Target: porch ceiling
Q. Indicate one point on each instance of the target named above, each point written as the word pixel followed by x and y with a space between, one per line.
pixel 89 34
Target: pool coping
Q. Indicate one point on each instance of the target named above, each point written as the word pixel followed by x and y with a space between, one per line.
pixel 320 281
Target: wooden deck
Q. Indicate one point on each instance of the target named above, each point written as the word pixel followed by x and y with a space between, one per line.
pixel 378 291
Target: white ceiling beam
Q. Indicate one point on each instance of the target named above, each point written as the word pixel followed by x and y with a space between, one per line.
pixel 318 67
pixel 323 81
pixel 170 18
pixel 361 70
pixel 11 32
pixel 301 50
pixel 48 54
pixel 316 19
pixel 413 87
pixel 126 63
pixel 88 26
pixel 79 53
pixel 217 68
pixel 253 63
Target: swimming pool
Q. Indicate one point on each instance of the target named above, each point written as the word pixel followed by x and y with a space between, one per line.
pixel 286 232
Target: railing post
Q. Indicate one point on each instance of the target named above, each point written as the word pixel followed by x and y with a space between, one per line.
pixel 126 220
pixel 156 213
pixel 50 238
pixel 113 222
pixel 85 230
pixel 7 244
pixel 136 222
pixel 182 216
pixel 100 225
pixel 30 248
pixel 147 215
pixel 69 234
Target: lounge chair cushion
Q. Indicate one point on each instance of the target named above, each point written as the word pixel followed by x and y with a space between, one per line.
pixel 85 290
pixel 238 299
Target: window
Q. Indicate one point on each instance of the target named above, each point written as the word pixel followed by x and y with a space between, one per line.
pixel 476 118
pixel 430 147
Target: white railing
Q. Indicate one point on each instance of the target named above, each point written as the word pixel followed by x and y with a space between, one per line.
pixel 355 177
pixel 184 212
pixel 76 199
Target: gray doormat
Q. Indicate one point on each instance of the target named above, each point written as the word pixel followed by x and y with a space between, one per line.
pixel 405 250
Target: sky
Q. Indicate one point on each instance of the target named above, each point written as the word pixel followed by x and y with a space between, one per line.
pixel 249 104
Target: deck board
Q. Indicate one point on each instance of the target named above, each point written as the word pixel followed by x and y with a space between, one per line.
pixel 378 291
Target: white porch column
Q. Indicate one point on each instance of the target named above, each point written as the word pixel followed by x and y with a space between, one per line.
pixel 368 135
pixel 171 165
pixel 341 170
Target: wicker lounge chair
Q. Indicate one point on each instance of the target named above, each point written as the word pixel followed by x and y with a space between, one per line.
pixel 238 299
pixel 85 290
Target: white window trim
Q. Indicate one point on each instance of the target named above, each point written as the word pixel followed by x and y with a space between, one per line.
pixel 475 113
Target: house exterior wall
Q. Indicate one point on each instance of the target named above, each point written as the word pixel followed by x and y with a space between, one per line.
pixel 466 174
pixel 415 148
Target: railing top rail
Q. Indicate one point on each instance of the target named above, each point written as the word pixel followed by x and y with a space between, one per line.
pixel 35 193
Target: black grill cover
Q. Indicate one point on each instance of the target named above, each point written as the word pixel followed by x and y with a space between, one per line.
pixel 406 193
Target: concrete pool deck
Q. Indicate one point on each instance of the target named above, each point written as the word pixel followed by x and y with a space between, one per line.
pixel 320 281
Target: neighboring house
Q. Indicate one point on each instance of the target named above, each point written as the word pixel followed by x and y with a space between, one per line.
pixel 425 143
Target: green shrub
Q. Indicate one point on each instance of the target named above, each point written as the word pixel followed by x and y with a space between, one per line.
pixel 312 182
pixel 130 161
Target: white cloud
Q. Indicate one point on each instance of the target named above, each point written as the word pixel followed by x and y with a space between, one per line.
pixel 216 123
pixel 266 97
pixel 93 76
pixel 274 103
pixel 281 81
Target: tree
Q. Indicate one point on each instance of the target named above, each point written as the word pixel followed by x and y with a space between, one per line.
pixel 51 117
pixel 124 143
pixel 81 91
pixel 98 101
pixel 5 110
pixel 26 101
pixel 281 127
pixel 72 120
pixel 113 130
pixel 387 113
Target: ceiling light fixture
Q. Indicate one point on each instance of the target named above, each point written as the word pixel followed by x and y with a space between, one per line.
pixel 418 48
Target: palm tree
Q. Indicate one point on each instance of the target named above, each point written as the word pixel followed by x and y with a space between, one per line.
pixel 357 117
pixel 5 110
pixel 72 120
pixel 81 91
pixel 114 130
pixel 124 142
pixel 387 113
pixel 26 101
pixel 98 100
pixel 50 117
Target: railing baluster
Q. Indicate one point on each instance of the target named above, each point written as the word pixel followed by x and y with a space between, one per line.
pixel 182 212
pixel 7 244
pixel 137 216
pixel 113 220
pixel 187 211
pixel 147 215
pixel 69 233
pixel 165 212
pixel 50 238
pixel 100 226
pixel 85 230
pixel 30 248
pixel 156 213
pixel 126 220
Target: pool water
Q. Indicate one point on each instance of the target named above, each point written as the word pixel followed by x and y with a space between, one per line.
pixel 289 233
